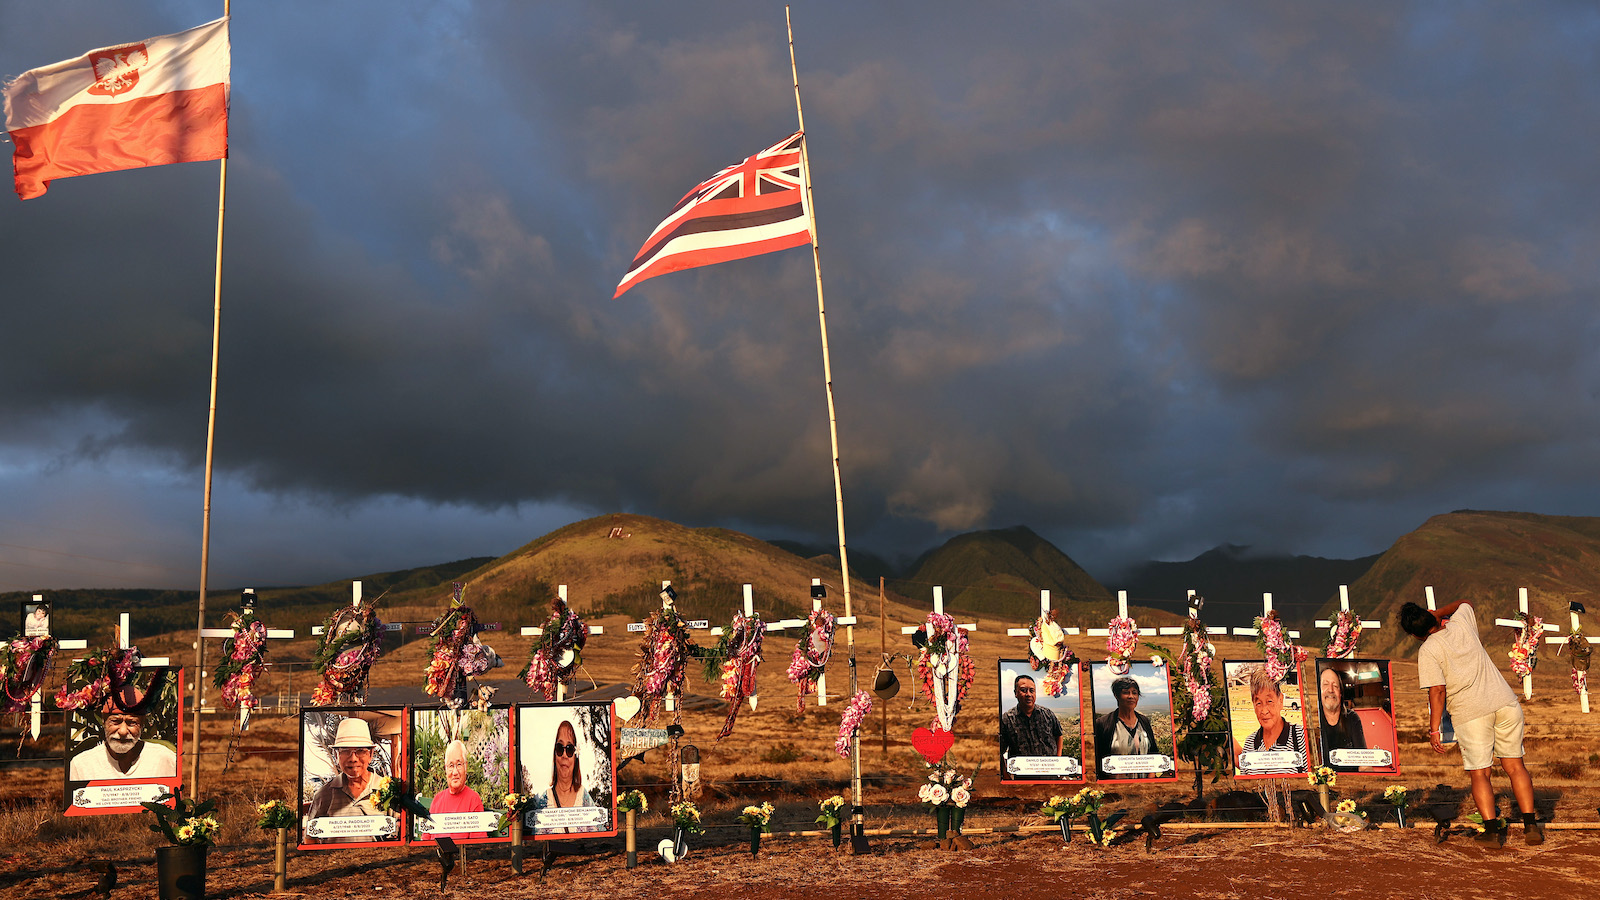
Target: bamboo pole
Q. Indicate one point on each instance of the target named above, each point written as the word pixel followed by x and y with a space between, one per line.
pixel 211 439
pixel 858 820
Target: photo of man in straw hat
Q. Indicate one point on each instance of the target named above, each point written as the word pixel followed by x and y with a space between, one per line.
pixel 342 769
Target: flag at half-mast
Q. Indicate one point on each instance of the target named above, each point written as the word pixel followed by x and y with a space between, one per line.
pixel 162 100
pixel 754 207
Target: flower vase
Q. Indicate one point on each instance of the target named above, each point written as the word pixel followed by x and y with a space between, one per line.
pixel 632 838
pixel 1094 827
pixel 1400 815
pixel 1066 828
pixel 181 872
pixel 680 842
pixel 834 831
pixel 280 862
pixel 1327 809
pixel 941 815
pixel 956 815
pixel 755 841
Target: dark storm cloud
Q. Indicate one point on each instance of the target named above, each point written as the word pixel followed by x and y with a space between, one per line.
pixel 1147 277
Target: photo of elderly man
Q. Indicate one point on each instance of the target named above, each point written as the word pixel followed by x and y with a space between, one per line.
pixel 344 760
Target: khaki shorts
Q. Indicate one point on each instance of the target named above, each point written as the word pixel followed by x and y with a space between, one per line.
pixel 1497 735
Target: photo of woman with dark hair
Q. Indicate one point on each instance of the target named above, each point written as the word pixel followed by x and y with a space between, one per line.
pixel 564 754
pixel 566 788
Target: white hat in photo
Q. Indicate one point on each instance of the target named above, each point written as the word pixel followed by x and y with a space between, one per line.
pixel 353 734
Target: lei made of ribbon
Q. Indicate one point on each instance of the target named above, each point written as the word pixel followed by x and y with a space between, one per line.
pixel 1281 656
pixel 811 653
pixel 244 660
pixel 1344 635
pixel 25 665
pixel 350 641
pixel 740 653
pixel 1194 661
pixel 944 654
pixel 563 632
pixel 1120 643
pixel 664 652
pixel 1525 652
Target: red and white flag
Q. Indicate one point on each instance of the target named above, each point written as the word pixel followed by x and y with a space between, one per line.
pixel 162 100
pixel 755 207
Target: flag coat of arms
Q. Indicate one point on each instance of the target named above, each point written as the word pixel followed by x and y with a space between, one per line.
pixel 757 206
pixel 162 100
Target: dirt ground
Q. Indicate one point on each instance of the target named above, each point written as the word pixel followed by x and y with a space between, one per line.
pixel 784 756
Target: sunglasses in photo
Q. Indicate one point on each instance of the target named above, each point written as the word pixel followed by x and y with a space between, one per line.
pixel 563 749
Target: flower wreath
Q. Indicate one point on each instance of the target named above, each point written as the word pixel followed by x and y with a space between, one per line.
pixel 557 651
pixel 1343 636
pixel 244 660
pixel 1194 661
pixel 935 665
pixel 1045 634
pixel 664 652
pixel 105 677
pixel 458 654
pixel 737 655
pixel 1281 656
pixel 1120 643
pixel 24 666
pixel 1525 652
pixel 1581 655
pixel 854 715
pixel 811 653
pixel 349 646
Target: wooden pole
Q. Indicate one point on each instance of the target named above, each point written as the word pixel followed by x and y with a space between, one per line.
pixel 211 438
pixel 859 820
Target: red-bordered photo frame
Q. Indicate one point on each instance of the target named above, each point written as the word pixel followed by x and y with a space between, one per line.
pixel 320 771
pixel 1069 705
pixel 1153 722
pixel 488 744
pixel 1243 722
pixel 88 792
pixel 1365 696
pixel 593 810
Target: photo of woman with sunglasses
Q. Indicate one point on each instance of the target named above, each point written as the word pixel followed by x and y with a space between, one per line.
pixel 565 756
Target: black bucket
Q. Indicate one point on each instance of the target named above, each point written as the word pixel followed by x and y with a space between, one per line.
pixel 181 872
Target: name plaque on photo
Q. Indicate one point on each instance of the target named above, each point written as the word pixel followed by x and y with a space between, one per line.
pixel 571 817
pixel 1045 765
pixel 1371 757
pixel 450 823
pixel 1140 764
pixel 324 827
pixel 114 796
pixel 1271 759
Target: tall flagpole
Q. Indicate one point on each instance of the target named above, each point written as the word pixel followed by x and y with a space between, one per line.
pixel 211 436
pixel 857 817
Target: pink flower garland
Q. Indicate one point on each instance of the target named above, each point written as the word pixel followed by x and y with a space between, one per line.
pixel 739 669
pixel 1195 662
pixel 860 705
pixel 663 657
pixel 1524 653
pixel 1120 643
pixel 943 637
pixel 1344 635
pixel 1058 671
pixel 1270 639
pixel 245 663
pixel 24 665
pixel 811 653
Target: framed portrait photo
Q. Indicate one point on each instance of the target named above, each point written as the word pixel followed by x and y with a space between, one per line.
pixel 566 759
pixel 1355 717
pixel 36 617
pixel 129 750
pixel 461 771
pixel 1266 720
pixel 346 753
pixel 1041 736
pixel 1132 723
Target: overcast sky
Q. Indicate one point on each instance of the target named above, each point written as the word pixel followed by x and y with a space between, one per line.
pixel 1146 277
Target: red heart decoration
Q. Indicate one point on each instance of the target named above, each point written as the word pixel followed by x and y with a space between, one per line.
pixel 933 745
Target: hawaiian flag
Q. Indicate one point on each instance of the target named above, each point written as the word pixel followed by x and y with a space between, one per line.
pixel 162 100
pixel 755 207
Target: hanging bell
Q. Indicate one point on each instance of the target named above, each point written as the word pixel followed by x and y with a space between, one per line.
pixel 885 684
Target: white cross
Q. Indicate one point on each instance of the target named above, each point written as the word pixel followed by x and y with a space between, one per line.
pixel 954 674
pixel 1266 607
pixel 1344 606
pixel 561 591
pixel 1122 612
pixel 1429 591
pixel 1522 606
pixel 355 600
pixel 671 700
pixel 1583 695
pixel 36 704
pixel 1044 610
pixel 272 633
pixel 749 611
pixel 816 606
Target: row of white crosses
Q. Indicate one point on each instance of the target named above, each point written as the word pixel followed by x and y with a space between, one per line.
pixel 247 601
pixel 561 591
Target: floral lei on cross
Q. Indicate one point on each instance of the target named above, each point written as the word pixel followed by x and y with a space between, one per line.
pixel 457 652
pixel 244 660
pixel 24 665
pixel 664 652
pixel 1525 652
pixel 557 651
pixel 935 663
pixel 1194 661
pixel 811 653
pixel 1581 654
pixel 1344 635
pixel 350 641
pixel 737 655
pixel 854 715
pixel 1281 656
pixel 1056 671
pixel 1120 643
pixel 101 677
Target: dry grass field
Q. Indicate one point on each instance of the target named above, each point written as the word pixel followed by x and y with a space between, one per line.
pixel 786 757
